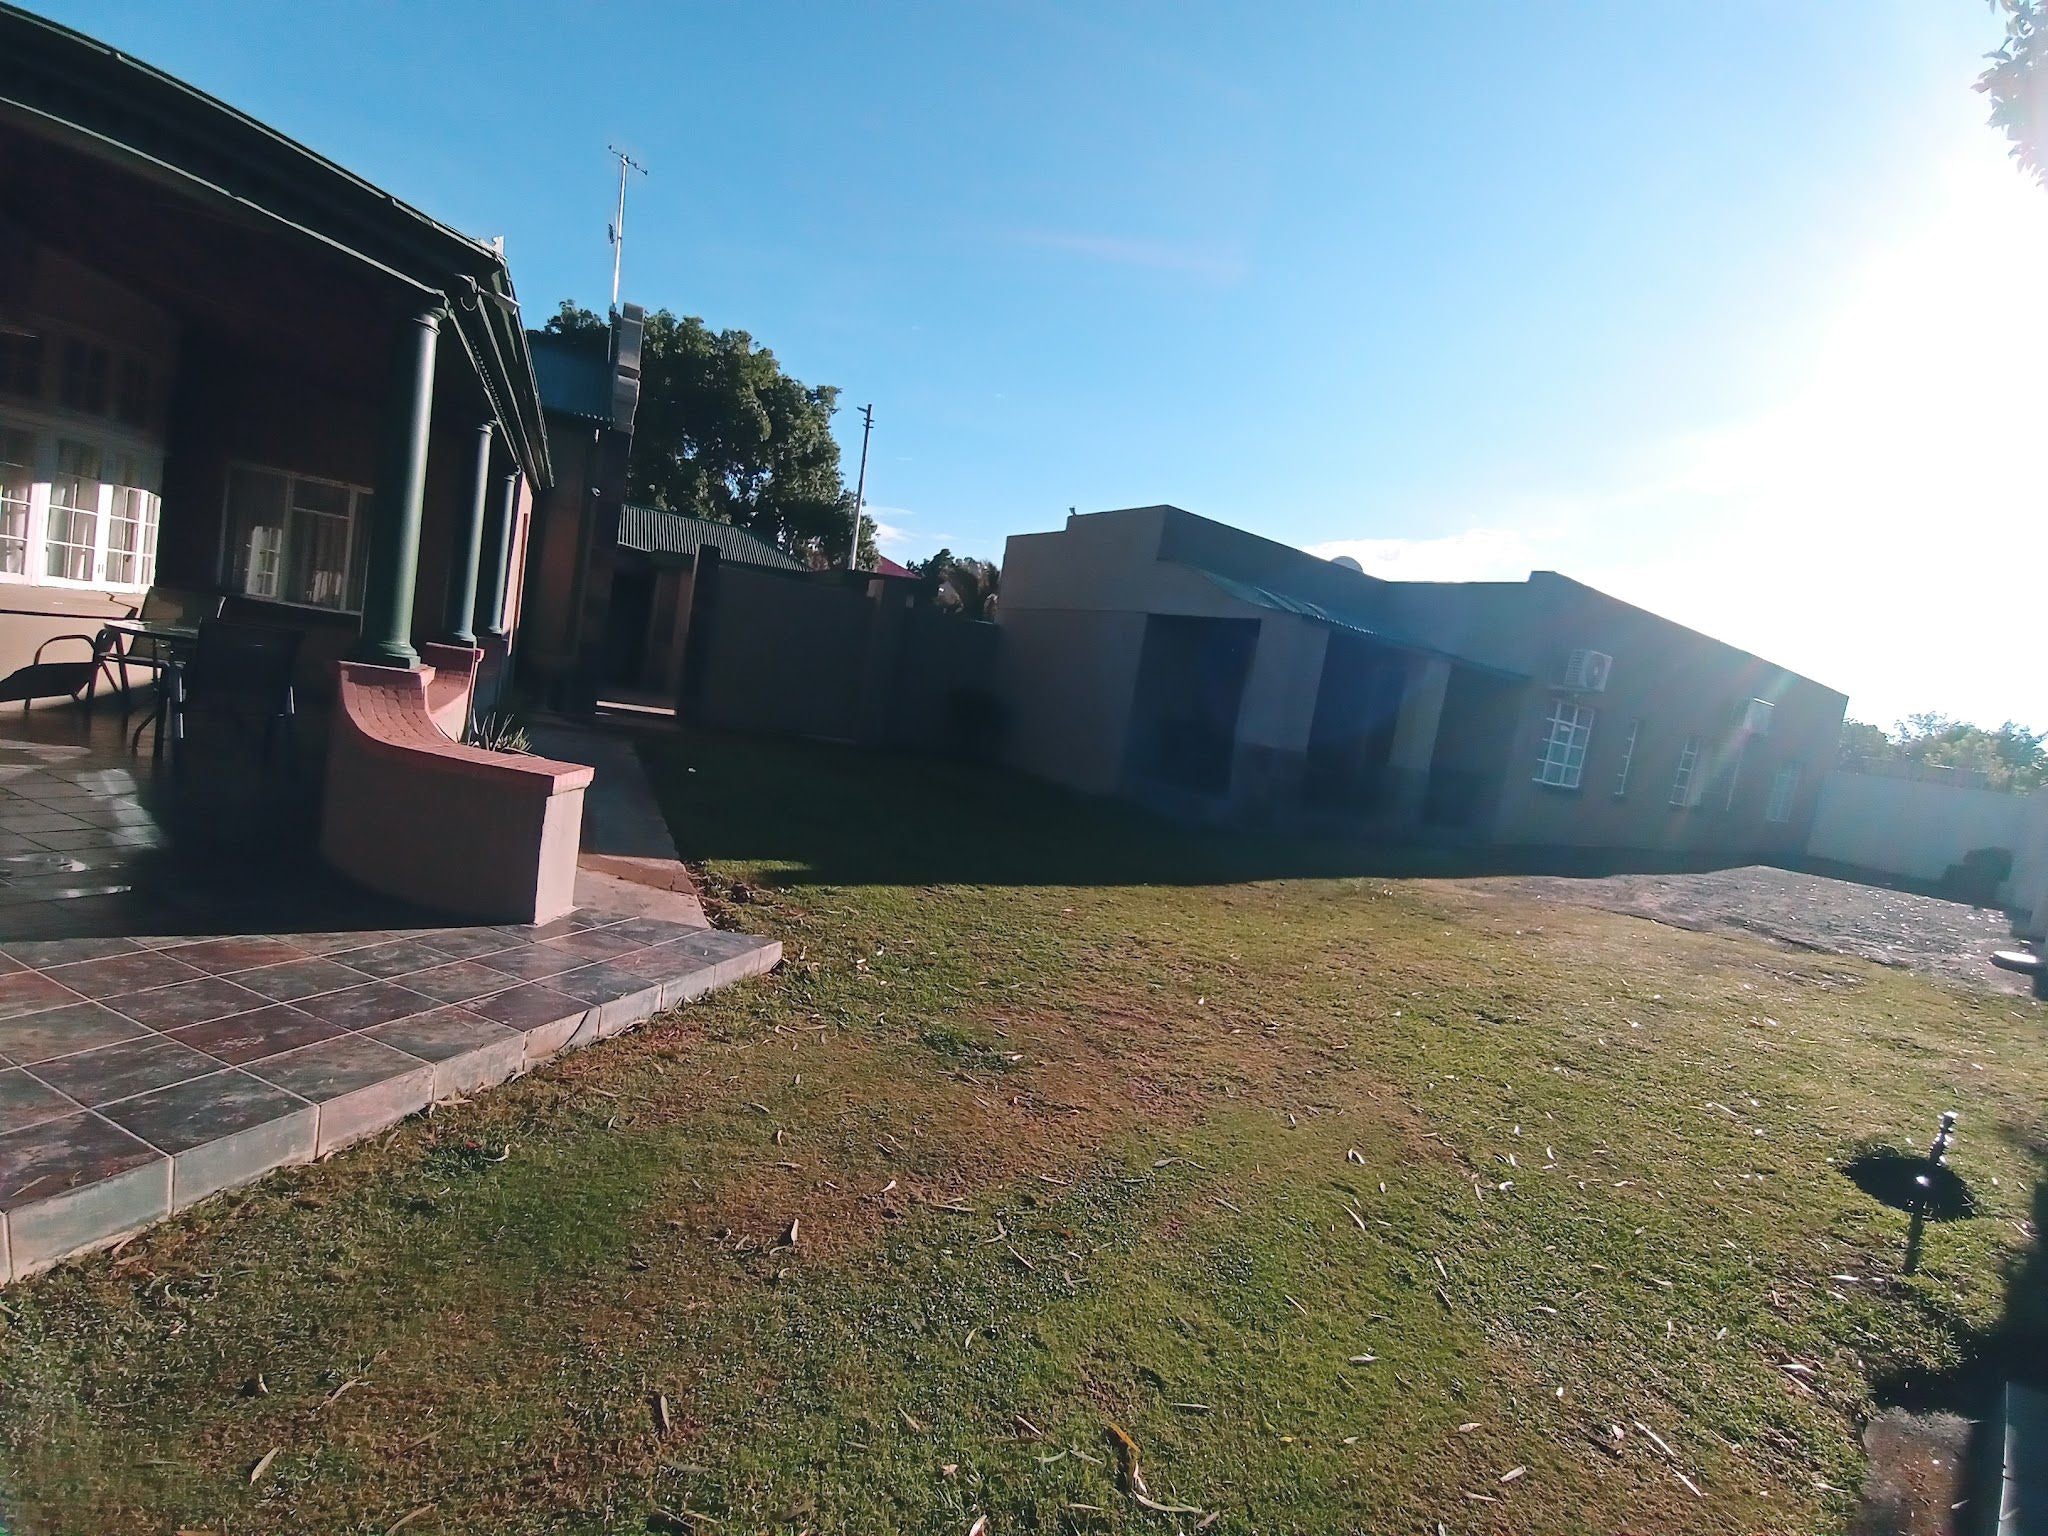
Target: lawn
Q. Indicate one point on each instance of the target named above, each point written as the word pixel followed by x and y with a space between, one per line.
pixel 1346 1201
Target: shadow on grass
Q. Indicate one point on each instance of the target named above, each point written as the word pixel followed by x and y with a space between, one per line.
pixel 834 815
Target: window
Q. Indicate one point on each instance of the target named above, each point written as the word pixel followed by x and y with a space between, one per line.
pixel 71 535
pixel 17 491
pixel 75 511
pixel 1685 785
pixel 1564 746
pixel 135 399
pixel 83 383
pixel 1628 757
pixel 1734 774
pixel 296 539
pixel 21 365
pixel 1784 786
pixel 131 527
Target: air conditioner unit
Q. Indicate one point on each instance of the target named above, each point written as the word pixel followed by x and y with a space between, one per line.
pixel 1754 717
pixel 1586 672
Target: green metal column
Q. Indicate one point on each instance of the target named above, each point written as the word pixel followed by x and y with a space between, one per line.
pixel 469 545
pixel 493 583
pixel 393 567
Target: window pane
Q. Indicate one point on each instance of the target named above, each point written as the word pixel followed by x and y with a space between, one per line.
pixel 132 528
pixel 73 527
pixel 84 383
pixel 256 517
pixel 21 366
pixel 17 473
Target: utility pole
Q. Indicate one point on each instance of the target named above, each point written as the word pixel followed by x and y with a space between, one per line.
pixel 617 232
pixel 860 490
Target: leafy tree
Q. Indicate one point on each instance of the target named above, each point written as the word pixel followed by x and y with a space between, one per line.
pixel 722 432
pixel 961 583
pixel 2016 84
pixel 2010 757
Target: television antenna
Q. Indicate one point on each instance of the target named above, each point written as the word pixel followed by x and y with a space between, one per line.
pixel 616 231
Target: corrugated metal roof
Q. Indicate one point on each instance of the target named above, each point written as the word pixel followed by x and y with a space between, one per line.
pixel 673 533
pixel 1357 622
pixel 574 380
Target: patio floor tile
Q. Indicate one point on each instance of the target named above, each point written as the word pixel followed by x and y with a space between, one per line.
pixel 221 1131
pixel 186 1002
pixel 334 943
pixel 61 1154
pixel 468 1052
pixel 653 930
pixel 534 962
pixel 62 1031
pixel 360 1084
pixel 111 1072
pixel 87 1200
pixel 36 819
pixel 458 981
pixel 385 961
pixel 223 956
pixel 528 1007
pixel 378 1002
pixel 465 943
pixel 26 1102
pixel 604 982
pixel 246 1037
pixel 114 974
pixel 300 978
pixel 24 992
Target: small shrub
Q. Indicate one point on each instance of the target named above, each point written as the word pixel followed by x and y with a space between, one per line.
pixel 499 733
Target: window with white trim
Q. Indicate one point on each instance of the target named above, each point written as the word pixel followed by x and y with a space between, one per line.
pixel 78 507
pixel 1628 757
pixel 296 539
pixel 1784 787
pixel 1685 789
pixel 1563 761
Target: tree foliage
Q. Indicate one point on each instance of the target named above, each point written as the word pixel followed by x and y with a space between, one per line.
pixel 722 432
pixel 961 583
pixel 2016 84
pixel 2011 757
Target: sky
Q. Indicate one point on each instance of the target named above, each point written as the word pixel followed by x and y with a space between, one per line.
pixel 1715 307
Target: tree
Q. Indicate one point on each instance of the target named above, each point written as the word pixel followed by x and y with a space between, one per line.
pixel 2016 84
pixel 2010 757
pixel 961 583
pixel 723 433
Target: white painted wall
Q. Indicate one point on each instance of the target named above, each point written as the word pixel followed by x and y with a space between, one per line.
pixel 2028 892
pixel 1914 828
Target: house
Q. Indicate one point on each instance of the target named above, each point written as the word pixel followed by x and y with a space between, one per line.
pixel 232 368
pixel 1158 655
pixel 589 400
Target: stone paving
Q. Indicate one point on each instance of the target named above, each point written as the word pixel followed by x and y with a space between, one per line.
pixel 187 1001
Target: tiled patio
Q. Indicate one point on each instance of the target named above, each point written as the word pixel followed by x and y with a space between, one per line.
pixel 159 1044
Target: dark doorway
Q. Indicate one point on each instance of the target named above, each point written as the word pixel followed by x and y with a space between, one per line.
pixel 625 624
pixel 1358 704
pixel 1191 678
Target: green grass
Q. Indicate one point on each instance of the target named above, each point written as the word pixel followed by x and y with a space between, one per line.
pixel 1082 1120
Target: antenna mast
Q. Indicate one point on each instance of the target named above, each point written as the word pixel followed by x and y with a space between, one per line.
pixel 617 232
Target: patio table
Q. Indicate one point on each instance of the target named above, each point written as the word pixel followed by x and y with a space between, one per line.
pixel 164 641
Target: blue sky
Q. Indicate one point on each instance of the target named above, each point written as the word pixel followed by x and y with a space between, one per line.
pixel 1707 305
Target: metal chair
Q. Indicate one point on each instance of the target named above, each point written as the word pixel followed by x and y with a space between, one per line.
pixel 42 679
pixel 240 672
pixel 160 605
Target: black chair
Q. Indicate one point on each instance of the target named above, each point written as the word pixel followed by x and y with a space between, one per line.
pixel 238 672
pixel 42 679
pixel 160 605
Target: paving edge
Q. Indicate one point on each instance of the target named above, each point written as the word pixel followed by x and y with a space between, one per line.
pixel 130 1202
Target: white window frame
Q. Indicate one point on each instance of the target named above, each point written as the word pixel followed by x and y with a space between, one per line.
pixel 1628 757
pixel 1685 785
pixel 48 429
pixel 358 521
pixel 1562 762
pixel 1784 789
